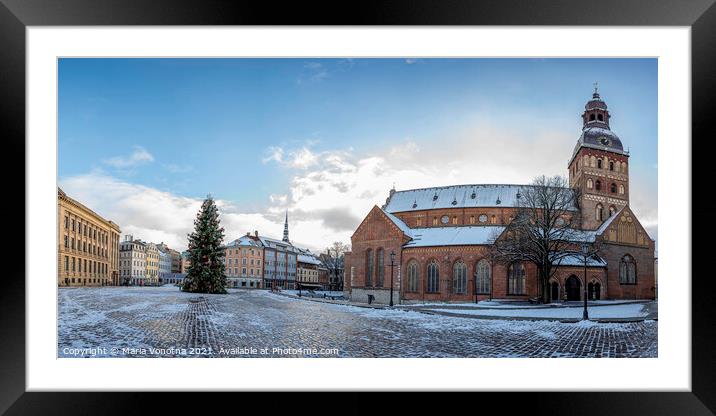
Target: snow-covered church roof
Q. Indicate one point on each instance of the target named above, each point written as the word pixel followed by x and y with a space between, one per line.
pixel 456 196
pixel 454 236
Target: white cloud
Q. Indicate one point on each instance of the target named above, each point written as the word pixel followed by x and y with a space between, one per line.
pixel 273 153
pixel 139 156
pixel 313 72
pixel 331 191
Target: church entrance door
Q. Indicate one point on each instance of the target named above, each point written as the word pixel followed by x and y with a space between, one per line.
pixel 572 288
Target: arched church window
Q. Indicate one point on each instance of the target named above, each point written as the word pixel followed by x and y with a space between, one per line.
pixel 600 117
pixel 413 276
pixel 612 210
pixel 598 185
pixel 613 188
pixel 590 183
pixel 433 278
pixel 599 163
pixel 591 117
pixel 599 212
pixel 380 278
pixel 627 270
pixel 611 165
pixel 516 279
pixel 369 267
pixel 621 189
pixel 459 277
pixel 483 277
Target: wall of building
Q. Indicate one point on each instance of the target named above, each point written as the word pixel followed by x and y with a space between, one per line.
pixel 87 250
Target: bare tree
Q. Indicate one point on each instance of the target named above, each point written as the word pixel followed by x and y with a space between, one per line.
pixel 333 259
pixel 544 230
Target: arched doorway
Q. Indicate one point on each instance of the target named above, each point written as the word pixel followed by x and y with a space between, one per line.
pixel 593 290
pixel 572 287
pixel 554 293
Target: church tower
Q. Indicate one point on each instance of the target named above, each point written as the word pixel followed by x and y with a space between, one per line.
pixel 599 166
pixel 285 229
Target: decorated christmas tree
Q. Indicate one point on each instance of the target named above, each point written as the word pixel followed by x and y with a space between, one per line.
pixel 206 268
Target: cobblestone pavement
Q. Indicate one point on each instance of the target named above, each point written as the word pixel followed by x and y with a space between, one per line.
pixel 164 322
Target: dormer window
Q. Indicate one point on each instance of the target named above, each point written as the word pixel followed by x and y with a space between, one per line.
pixel 454 201
pixel 498 202
pixel 435 197
pixel 473 196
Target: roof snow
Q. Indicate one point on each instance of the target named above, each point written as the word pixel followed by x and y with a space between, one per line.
pixel 308 259
pixel 454 236
pixel 578 260
pixel 457 196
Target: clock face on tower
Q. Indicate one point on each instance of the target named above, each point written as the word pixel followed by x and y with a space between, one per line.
pixel 604 141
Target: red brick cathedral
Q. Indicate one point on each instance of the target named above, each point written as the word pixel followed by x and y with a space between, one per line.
pixel 439 237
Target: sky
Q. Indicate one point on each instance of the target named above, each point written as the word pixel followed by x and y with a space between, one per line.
pixel 144 141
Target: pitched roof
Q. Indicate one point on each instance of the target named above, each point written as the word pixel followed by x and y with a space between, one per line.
pixel 456 196
pixel 454 236
pixel 399 223
pixel 577 260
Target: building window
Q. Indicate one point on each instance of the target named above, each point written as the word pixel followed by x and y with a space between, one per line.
pixel 67 222
pixel 472 219
pixel 419 222
pixel 369 267
pixel 483 277
pixel 483 218
pixel 493 219
pixel 516 279
pixel 627 271
pixel 459 278
pixel 611 165
pixel 599 212
pixel 599 163
pixel 621 189
pixel 600 117
pixel 613 188
pixel 381 269
pixel 413 276
pixel 433 278
pixel 598 185
pixel 67 263
pixel 435 220
pixel 590 183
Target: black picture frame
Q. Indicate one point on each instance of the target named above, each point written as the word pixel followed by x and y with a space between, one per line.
pixel 16 15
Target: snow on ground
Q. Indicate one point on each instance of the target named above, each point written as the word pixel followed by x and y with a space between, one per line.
pixel 634 310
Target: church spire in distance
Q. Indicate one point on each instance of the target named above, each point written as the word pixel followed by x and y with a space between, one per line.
pixel 285 228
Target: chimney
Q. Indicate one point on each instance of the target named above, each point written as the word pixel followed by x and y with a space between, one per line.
pixel 248 234
pixel 256 233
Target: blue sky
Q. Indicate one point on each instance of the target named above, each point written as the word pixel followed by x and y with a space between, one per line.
pixel 261 134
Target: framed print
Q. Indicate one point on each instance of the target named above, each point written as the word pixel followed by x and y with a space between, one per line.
pixel 452 198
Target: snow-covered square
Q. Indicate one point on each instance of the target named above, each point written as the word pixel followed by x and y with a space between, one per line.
pixel 164 322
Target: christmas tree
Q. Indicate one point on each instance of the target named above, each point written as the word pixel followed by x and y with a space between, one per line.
pixel 206 268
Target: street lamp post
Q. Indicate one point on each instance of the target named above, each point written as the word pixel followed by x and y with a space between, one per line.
pixel 585 253
pixel 392 261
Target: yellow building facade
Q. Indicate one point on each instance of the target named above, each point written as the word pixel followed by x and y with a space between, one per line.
pixel 152 264
pixel 87 245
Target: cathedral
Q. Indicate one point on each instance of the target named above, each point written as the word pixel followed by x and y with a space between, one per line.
pixel 435 242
